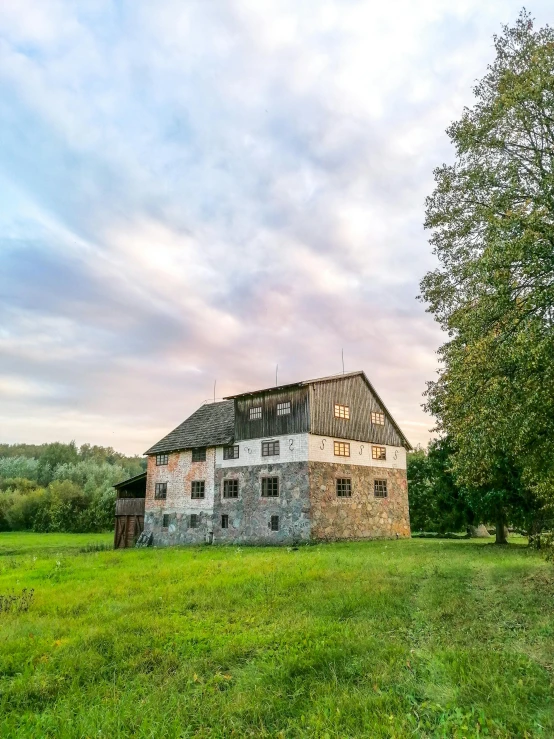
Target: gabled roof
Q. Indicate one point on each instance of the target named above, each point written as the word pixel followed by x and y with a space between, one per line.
pixel 331 378
pixel 212 424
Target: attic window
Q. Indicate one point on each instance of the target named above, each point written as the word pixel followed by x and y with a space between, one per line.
pixel 255 413
pixel 161 459
pixel 344 487
pixel 197 489
pixel 342 411
pixel 380 488
pixel 378 418
pixel 342 449
pixel 283 409
pixel 199 454
pixel 231 452
pixel 160 491
pixel 378 452
pixel 270 448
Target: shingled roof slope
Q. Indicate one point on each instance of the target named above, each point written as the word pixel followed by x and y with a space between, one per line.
pixel 211 425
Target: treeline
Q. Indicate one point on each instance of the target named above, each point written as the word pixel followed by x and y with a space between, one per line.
pixel 61 487
pixel 491 224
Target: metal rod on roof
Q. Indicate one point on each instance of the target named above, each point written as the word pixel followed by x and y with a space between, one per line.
pixel 215 381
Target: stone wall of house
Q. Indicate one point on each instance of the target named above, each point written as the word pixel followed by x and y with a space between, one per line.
pixel 362 516
pixel 250 514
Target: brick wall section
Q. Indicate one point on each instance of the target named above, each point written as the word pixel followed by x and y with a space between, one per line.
pixel 179 473
pixel 250 514
pixel 363 516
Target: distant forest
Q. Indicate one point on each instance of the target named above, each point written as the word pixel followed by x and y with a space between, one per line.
pixel 61 487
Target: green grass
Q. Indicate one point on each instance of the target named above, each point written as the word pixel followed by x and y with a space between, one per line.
pixel 418 638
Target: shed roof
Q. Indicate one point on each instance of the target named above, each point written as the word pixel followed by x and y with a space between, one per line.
pixel 211 425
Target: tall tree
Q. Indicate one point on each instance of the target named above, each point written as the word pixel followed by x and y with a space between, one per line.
pixel 492 221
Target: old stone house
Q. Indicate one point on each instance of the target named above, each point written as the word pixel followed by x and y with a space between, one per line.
pixel 320 459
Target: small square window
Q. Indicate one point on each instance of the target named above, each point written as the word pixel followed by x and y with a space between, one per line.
pixel 231 452
pixel 230 488
pixel 378 418
pixel 270 487
pixel 199 454
pixel 255 413
pixel 342 449
pixel 378 452
pixel 197 489
pixel 380 488
pixel 160 491
pixel 283 409
pixel 194 520
pixel 224 521
pixel 274 523
pixel 165 520
pixel 344 487
pixel 270 448
pixel 161 459
pixel 342 411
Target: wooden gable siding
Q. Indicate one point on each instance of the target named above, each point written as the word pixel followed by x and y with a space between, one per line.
pixel 270 424
pixel 353 392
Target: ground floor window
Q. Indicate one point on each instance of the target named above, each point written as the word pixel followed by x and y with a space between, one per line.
pixel 224 521
pixel 274 523
pixel 270 487
pixel 194 520
pixel 165 520
pixel 344 487
pixel 380 488
pixel 230 488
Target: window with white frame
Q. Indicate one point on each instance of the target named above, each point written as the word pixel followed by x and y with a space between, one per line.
pixel 255 413
pixel 283 409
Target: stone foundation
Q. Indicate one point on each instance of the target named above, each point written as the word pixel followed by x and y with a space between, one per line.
pixel 362 516
pixel 250 514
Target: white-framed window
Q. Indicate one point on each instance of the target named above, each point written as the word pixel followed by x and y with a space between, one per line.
pixel 283 409
pixel 255 413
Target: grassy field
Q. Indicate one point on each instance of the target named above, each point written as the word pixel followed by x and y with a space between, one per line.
pixel 418 638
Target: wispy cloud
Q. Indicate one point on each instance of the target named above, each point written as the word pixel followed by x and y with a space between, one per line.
pixel 194 191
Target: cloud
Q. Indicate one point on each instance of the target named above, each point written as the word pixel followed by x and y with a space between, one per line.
pixel 195 191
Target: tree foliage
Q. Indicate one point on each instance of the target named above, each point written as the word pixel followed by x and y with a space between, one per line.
pixel 58 487
pixel 492 221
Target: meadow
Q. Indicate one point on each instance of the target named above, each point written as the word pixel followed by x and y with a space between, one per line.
pixel 420 638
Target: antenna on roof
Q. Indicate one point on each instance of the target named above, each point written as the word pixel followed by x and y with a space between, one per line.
pixel 215 381
pixel 276 373
pixel 342 353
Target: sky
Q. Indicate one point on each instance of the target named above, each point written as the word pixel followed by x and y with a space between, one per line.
pixel 198 191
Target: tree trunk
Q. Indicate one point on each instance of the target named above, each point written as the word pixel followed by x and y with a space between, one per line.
pixel 501 529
